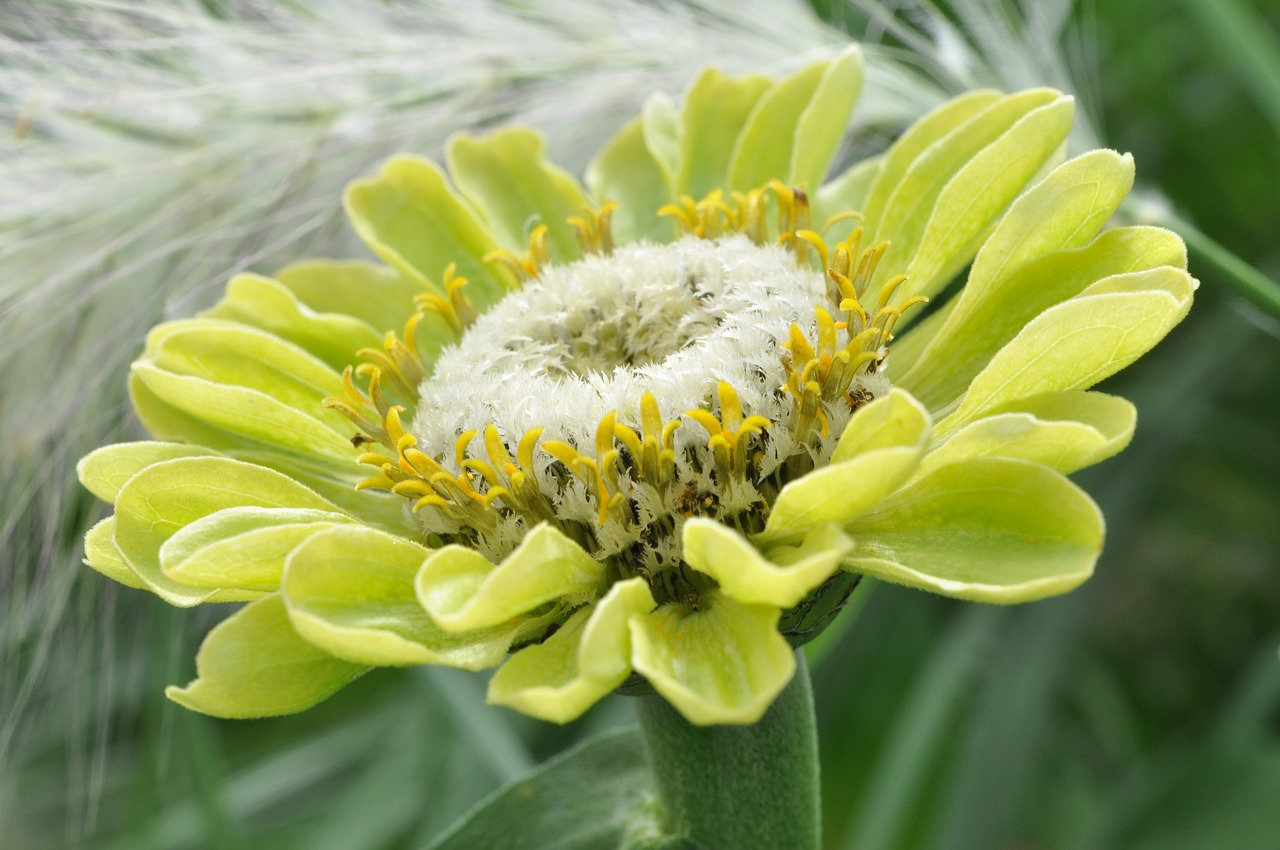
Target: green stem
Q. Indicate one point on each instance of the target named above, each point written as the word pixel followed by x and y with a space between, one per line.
pixel 739 787
pixel 1229 269
pixel 1224 268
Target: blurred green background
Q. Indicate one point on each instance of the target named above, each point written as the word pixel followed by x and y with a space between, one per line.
pixel 1140 712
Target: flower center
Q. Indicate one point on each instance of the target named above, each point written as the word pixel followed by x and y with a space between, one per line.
pixel 589 338
pixel 669 381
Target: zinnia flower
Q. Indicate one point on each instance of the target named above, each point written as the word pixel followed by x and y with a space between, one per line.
pixel 655 429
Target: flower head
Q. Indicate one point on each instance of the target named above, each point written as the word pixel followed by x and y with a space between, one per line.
pixel 654 429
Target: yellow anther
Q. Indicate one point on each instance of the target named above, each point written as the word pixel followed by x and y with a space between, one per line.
pixel 817 242
pixel 886 291
pixel 799 347
pixel 593 230
pixel 706 419
pixel 826 330
pixel 847 215
pixel 524 451
pixel 460 446
pixel 604 433
pixel 730 407
pixel 495 448
pixel 487 472
pixel 454 306
pixel 531 265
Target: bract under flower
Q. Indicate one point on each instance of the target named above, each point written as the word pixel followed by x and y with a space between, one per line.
pixel 628 430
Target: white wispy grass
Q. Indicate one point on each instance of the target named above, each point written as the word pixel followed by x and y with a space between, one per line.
pixel 152 148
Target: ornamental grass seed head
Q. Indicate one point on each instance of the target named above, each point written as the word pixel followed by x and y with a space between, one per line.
pixel 653 430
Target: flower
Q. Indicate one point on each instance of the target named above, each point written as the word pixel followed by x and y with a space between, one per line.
pixel 655 430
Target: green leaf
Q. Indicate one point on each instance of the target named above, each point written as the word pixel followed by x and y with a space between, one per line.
pixel 722 663
pixel 350 591
pixel 168 496
pixel 379 296
pixel 597 795
pixel 104 471
pixel 462 590
pixel 794 129
pixel 409 217
pixel 585 659
pixel 1065 431
pixel 253 664
pixel 626 171
pixel 1079 342
pixel 939 368
pixel 241 547
pixel 715 110
pixel 782 579
pixel 508 178
pixel 876 454
pixel 985 529
pixel 100 554
pixel 260 302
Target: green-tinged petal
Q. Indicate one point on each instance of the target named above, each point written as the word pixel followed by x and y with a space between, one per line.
pixel 333 338
pixel 167 422
pixel 824 121
pixel 243 382
pixel 238 355
pixel 937 361
pixel 782 579
pixel 377 295
pixel 253 664
pixel 626 171
pixel 987 181
pixel 100 554
pixel 1065 210
pixel 660 119
pixel 409 217
pixel 715 110
pixel 168 496
pixel 723 663
pixel 587 657
pixel 893 420
pixel 848 192
pixel 986 529
pixel 1065 431
pixel 796 126
pixel 877 453
pixel 252 415
pixel 1013 280
pixel 241 547
pixel 508 178
pixel 350 591
pixel 914 142
pixel 104 471
pixel 462 590
pixel 1077 343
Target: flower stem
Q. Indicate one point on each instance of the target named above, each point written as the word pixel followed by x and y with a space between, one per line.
pixel 739 787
